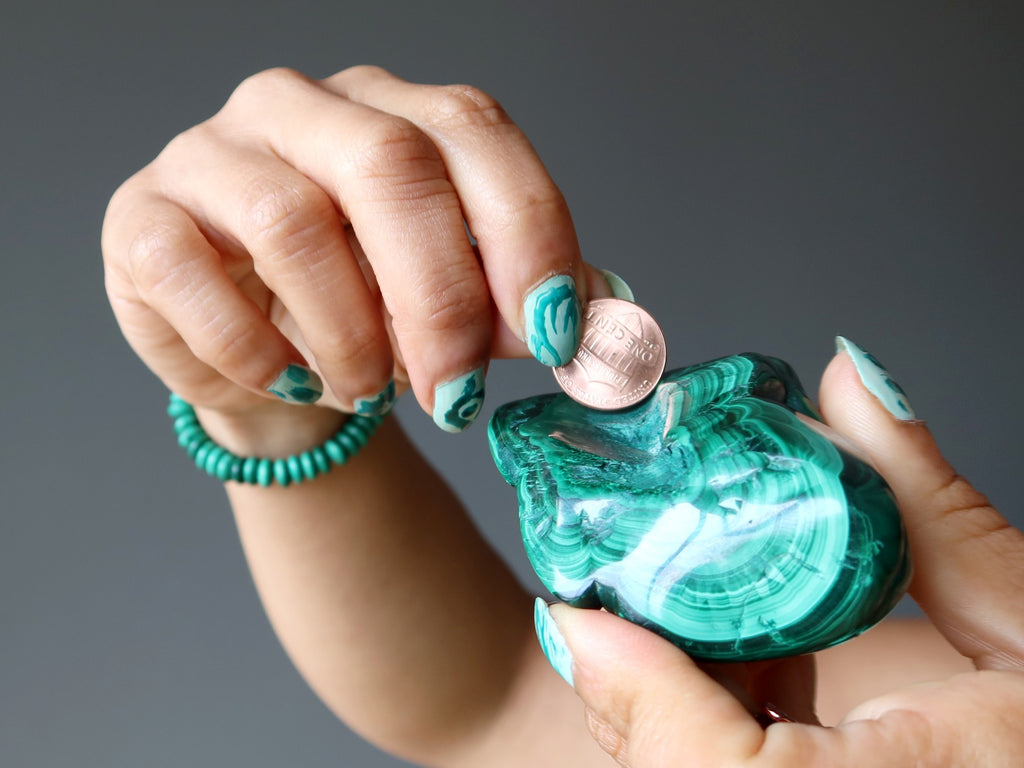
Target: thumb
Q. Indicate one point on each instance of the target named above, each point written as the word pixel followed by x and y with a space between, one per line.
pixel 968 559
pixel 646 700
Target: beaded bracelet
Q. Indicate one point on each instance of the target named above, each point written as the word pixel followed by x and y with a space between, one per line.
pixel 219 462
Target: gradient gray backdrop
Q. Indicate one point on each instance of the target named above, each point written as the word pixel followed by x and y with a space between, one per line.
pixel 764 174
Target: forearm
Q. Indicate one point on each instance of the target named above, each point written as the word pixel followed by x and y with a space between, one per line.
pixel 388 601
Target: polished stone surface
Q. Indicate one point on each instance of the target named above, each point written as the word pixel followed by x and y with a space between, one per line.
pixel 719 513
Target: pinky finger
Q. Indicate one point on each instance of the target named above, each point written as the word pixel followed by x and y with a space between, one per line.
pixel 178 273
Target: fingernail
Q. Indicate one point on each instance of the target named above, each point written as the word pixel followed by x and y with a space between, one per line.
pixel 619 288
pixel 298 385
pixel 378 404
pixel 877 381
pixel 552 315
pixel 551 641
pixel 457 402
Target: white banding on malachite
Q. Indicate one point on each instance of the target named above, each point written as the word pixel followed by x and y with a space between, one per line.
pixel 298 385
pixel 551 641
pixel 376 405
pixel 457 402
pixel 551 313
pixel 710 513
pixel 877 381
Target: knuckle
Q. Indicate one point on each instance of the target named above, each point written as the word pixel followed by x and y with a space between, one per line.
pixel 606 737
pixel 351 349
pixel 459 304
pixel 359 72
pixel 959 504
pixel 155 257
pixel 257 87
pixel 187 145
pixel 394 151
pixel 285 219
pixel 120 199
pixel 232 345
pixel 527 207
pixel 116 216
pixel 465 106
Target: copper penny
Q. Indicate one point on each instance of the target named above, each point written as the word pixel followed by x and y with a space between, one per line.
pixel 620 359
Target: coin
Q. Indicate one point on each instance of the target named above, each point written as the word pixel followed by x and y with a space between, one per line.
pixel 620 359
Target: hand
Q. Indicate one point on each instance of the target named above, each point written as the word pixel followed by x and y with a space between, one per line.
pixel 648 704
pixel 313 231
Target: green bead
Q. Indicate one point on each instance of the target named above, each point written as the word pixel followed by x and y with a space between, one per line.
pixel 710 513
pixel 192 449
pixel 189 434
pixel 294 469
pixel 214 456
pixel 309 470
pixel 359 434
pixel 350 446
pixel 321 460
pixel 333 449
pixel 223 464
pixel 222 469
pixel 265 472
pixel 185 421
pixel 204 450
pixel 178 407
pixel 281 473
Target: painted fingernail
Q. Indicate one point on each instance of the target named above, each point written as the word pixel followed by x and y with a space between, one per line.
pixel 457 402
pixel 378 404
pixel 877 381
pixel 620 288
pixel 551 640
pixel 552 315
pixel 298 385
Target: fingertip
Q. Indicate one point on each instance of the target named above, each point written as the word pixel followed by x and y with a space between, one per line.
pixel 604 645
pixel 639 683
pixel 378 404
pixel 903 450
pixel 551 318
pixel 297 385
pixel 457 402
pixel 876 379
pixel 605 284
pixel 620 288
pixel 552 641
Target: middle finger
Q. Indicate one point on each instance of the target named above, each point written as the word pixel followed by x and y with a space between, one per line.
pixel 514 209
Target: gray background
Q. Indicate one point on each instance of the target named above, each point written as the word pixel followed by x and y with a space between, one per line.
pixel 764 174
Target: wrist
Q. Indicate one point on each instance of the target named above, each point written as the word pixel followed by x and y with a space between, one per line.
pixel 274 431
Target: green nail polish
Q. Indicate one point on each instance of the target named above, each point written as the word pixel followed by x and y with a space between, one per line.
pixel 378 404
pixel 877 381
pixel 298 385
pixel 457 402
pixel 552 315
pixel 551 641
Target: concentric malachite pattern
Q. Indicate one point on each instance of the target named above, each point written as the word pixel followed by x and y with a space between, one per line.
pixel 717 513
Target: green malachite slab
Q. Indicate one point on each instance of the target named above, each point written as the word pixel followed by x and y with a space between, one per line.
pixel 720 512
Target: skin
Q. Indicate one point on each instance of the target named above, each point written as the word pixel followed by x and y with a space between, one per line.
pixel 321 223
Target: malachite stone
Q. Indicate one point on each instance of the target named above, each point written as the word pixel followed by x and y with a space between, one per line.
pixel 719 513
